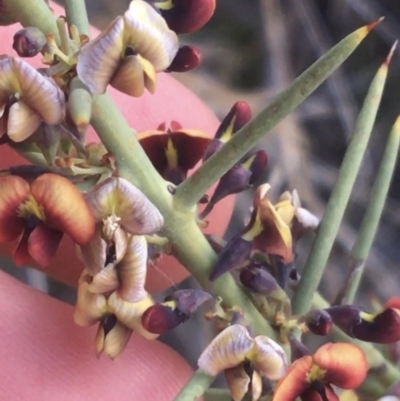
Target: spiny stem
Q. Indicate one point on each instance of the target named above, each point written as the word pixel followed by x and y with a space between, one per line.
pixel 339 198
pixel 195 387
pixel 369 225
pixel 191 190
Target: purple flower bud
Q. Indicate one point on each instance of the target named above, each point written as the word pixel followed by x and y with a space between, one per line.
pixel 319 322
pixel 28 42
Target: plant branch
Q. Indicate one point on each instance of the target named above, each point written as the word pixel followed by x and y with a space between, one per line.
pixel 369 225
pixel 191 190
pixel 339 198
pixel 195 387
pixel 77 15
pixel 34 13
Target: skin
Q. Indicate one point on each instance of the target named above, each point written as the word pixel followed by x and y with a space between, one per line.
pixel 44 356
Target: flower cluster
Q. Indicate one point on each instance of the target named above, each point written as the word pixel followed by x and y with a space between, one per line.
pixel 111 289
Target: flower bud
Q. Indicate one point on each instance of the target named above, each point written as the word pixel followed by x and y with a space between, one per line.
pixel 319 322
pixel 237 117
pixel 28 42
pixel 258 280
pixel 234 255
pixel 186 16
pixel 239 178
pixel 187 58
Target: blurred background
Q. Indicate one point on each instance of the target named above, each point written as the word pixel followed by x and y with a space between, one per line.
pixel 252 50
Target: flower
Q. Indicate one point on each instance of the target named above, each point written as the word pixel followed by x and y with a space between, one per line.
pixel 185 16
pixel 310 377
pixel 233 349
pixel 37 215
pixel 129 52
pixel 111 290
pixel 382 328
pixel 176 309
pixel 173 150
pixel 27 98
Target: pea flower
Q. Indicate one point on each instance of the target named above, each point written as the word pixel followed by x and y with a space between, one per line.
pixel 36 215
pixel 231 352
pixel 129 53
pixel 111 291
pixel 175 310
pixel 27 97
pixel 311 377
pixel 269 231
pixel 173 150
pixel 382 328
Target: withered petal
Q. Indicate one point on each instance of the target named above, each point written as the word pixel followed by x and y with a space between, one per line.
pixel 130 314
pixel 256 386
pixel 22 122
pixel 268 358
pixel 94 254
pixel 117 196
pixel 111 340
pixel 43 243
pixel 189 300
pixel 106 280
pixel 99 59
pixel 187 58
pixel 64 207
pixel 132 270
pixel 129 77
pixel 14 192
pixel 90 307
pixel 238 382
pixel 295 381
pixel 37 91
pixel 227 350
pixel 148 34
pixel 345 364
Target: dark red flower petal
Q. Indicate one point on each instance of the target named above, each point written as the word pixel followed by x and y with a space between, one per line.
pixel 43 243
pixel 21 255
pixel 160 318
pixel 187 58
pixel 312 394
pixel 319 322
pixel 188 15
pixel 14 192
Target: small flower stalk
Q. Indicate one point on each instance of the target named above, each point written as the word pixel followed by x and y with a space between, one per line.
pixel 233 350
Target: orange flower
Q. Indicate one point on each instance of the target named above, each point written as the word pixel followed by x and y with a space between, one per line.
pixel 310 377
pixel 37 215
pixel 173 150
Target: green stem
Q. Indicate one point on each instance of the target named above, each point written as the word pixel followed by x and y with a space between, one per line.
pixel 195 387
pixel 369 225
pixel 382 374
pixel 189 244
pixel 192 189
pixel 339 198
pixel 77 15
pixel 34 13
pixel 217 394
